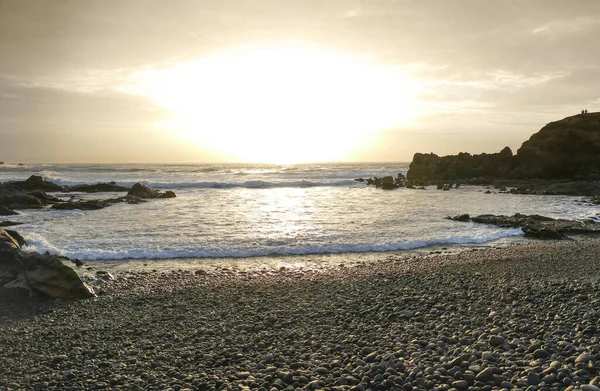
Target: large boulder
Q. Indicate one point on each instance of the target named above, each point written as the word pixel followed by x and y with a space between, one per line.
pixel 43 274
pixel 48 275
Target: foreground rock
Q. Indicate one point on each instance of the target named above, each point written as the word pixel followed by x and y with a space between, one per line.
pixel 535 226
pixel 42 274
pixel 565 149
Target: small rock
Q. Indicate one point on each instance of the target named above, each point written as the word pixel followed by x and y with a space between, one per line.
pixel 533 379
pixel 541 353
pixel 496 340
pixel 583 358
pixel 460 384
pixel 486 375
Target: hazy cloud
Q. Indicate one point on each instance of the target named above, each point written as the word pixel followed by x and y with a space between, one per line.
pixel 484 67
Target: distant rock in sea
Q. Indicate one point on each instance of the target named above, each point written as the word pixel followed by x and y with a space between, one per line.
pixel 565 149
pixel 142 191
pixel 97 188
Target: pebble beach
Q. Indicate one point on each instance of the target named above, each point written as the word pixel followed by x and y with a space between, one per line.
pixel 523 317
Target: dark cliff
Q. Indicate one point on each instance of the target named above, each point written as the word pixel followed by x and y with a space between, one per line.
pixel 569 148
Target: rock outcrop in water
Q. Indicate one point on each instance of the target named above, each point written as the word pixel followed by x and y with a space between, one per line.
pixel 31 194
pixel 142 191
pixel 565 149
pixel 96 188
pixel 535 226
pixel 42 274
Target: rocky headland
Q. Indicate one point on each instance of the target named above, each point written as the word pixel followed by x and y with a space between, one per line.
pixel 563 158
pixel 562 151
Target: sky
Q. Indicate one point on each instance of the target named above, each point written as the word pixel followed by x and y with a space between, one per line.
pixel 282 81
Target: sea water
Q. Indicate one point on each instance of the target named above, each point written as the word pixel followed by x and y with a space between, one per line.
pixel 225 211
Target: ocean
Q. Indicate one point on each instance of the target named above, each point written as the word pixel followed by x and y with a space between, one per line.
pixel 227 211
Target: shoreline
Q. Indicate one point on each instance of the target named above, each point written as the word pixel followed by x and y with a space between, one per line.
pixel 301 261
pixel 519 316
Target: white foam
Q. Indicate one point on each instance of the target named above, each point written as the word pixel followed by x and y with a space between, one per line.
pixel 41 245
pixel 38 243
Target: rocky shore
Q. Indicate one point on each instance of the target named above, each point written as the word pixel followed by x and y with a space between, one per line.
pixel 521 317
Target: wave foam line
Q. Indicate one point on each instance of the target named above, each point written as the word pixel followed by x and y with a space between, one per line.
pixel 43 245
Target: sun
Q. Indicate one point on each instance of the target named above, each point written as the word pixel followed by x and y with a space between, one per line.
pixel 279 102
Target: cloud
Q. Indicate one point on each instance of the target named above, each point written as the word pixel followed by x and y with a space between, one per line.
pixel 577 26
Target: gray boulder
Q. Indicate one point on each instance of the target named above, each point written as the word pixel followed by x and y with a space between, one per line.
pixel 48 275
pixel 44 274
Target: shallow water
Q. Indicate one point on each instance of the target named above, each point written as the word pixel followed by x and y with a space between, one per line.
pixel 251 211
